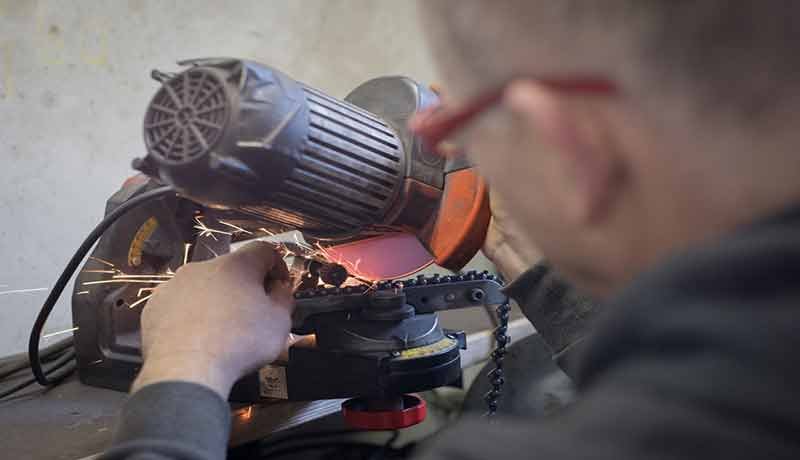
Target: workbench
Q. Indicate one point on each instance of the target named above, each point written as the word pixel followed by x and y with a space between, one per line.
pixel 73 421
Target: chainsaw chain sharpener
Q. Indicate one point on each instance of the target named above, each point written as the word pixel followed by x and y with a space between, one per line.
pixel 251 152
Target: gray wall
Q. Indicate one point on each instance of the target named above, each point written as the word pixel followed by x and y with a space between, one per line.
pixel 74 81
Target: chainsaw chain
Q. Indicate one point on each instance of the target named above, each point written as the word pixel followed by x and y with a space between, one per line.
pixel 420 280
pixel 496 375
pixel 502 339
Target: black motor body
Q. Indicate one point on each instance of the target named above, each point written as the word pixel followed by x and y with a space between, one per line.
pixel 241 136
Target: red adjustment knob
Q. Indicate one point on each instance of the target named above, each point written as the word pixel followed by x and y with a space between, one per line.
pixel 367 415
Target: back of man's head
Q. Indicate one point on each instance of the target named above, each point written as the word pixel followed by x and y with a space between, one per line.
pixel 699 139
pixel 734 55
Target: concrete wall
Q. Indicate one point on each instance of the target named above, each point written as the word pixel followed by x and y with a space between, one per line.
pixel 74 82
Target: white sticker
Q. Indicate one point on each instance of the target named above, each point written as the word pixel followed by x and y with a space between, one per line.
pixel 272 382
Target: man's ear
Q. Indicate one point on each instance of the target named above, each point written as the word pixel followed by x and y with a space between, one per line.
pixel 587 163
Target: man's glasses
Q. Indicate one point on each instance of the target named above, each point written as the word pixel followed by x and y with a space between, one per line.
pixel 434 125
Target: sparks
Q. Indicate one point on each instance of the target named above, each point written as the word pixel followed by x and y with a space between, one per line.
pixel 269 233
pixel 143 299
pixel 46 336
pixel 118 277
pixel 371 286
pixel 146 281
pixel 124 275
pixel 186 248
pixel 302 244
pixel 352 268
pixel 104 262
pixel 246 414
pixel 235 227
pixel 285 249
pixel 210 250
pixel 21 291
pixel 323 251
pixel 281 246
pixel 206 231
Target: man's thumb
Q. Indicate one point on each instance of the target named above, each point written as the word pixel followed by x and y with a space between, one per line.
pixel 258 258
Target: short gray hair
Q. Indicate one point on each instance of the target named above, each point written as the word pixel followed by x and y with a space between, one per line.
pixel 737 56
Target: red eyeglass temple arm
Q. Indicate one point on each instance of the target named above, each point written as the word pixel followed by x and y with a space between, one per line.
pixel 436 123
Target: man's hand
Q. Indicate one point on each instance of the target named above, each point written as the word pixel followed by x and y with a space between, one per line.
pixel 507 246
pixel 214 321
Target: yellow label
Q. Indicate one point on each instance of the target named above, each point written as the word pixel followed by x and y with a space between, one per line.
pixel 137 244
pixel 426 350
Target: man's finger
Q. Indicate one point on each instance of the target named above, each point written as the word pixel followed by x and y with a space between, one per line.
pixel 255 259
pixel 280 292
pixel 279 271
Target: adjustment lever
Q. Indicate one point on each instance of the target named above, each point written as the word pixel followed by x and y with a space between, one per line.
pixel 452 295
pixel 426 294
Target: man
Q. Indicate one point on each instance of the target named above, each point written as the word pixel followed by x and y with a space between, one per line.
pixel 648 148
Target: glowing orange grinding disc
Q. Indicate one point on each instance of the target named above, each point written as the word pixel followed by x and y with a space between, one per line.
pixel 392 256
pixel 458 232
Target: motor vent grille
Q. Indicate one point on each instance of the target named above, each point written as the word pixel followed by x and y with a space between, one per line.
pixel 187 116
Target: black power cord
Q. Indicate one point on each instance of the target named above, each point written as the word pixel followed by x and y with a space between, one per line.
pixel 321 440
pixel 14 364
pixel 36 332
pixel 376 451
pixel 22 357
pixel 304 437
pixel 59 369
